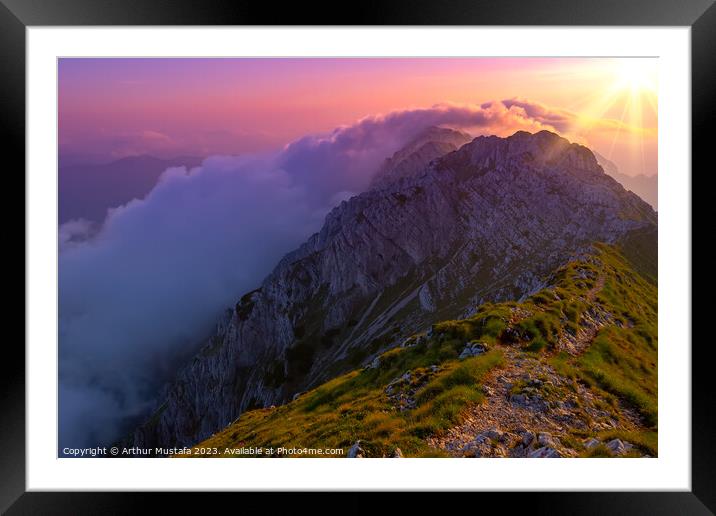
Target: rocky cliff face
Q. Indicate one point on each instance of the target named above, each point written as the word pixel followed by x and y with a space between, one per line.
pixel 434 238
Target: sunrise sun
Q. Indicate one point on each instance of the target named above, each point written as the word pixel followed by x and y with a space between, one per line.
pixel 637 75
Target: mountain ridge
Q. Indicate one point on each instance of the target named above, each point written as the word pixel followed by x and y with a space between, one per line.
pixel 484 222
pixel 569 372
pixel 428 145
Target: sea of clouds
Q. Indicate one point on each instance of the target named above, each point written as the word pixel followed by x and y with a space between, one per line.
pixel 138 294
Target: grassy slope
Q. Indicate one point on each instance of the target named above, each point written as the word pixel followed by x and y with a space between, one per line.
pixel 619 366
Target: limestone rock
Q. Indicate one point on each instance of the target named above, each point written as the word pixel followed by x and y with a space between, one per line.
pixel 355 451
pixel 591 443
pixel 619 447
pixel 473 349
pixel 544 453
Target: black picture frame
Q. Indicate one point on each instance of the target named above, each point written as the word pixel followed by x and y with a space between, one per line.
pixel 17 15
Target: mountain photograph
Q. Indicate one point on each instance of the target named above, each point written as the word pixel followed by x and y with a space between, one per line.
pixel 358 258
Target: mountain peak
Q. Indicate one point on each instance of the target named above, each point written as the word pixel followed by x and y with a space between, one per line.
pixel 543 150
pixel 431 143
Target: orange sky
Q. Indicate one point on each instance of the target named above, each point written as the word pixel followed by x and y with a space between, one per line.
pixel 111 108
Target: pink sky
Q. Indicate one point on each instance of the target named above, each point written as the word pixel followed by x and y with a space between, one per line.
pixel 112 108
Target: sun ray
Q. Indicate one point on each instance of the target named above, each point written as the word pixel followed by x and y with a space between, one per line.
pixel 619 127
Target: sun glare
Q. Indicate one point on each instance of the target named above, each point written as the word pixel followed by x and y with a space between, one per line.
pixel 628 99
pixel 636 75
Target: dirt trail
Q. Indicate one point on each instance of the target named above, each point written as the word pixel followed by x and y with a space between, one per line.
pixel 591 321
pixel 529 408
pixel 527 397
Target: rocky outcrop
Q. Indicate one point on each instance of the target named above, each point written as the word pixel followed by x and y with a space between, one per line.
pixel 429 242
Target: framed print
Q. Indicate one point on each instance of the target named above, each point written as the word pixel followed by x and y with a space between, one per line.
pixel 454 242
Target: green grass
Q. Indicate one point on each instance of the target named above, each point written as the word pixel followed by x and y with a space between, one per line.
pixel 622 363
pixel 542 331
pixel 355 406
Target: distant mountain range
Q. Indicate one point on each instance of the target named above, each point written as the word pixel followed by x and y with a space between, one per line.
pixel 87 191
pixel 449 226
pixel 646 187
